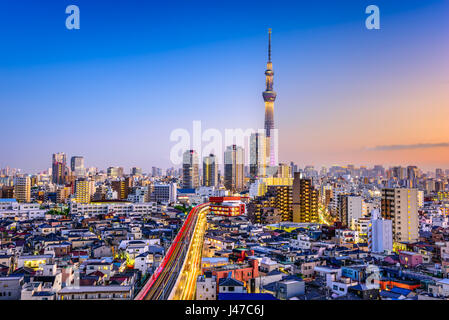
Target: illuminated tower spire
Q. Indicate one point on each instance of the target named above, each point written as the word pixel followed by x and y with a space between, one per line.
pixel 269 96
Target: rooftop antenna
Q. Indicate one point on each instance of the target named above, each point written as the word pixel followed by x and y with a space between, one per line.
pixel 269 44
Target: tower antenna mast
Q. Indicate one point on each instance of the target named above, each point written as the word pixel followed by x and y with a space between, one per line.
pixel 269 45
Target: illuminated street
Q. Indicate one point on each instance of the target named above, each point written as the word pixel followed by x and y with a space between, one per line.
pixel 188 243
pixel 185 288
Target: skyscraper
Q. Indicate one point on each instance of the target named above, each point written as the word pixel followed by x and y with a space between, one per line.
pixel 164 192
pixel 77 166
pixel 136 171
pixel 22 189
pixel 284 171
pixel 350 209
pixel 400 205
pixel 210 171
pixel 439 174
pixel 190 171
pixel 84 189
pixel 257 157
pixel 115 172
pixel 269 96
pixel 305 200
pixel 380 233
pixel 156 172
pixel 233 168
pixel 122 187
pixel 59 168
pixel 294 167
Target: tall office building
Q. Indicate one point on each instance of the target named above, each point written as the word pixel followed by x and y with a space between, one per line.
pixel 122 187
pixel 284 171
pixel 269 96
pixel 84 189
pixel 7 192
pixel 379 171
pixel 399 173
pixel 233 168
pixel 412 176
pixel 22 189
pixel 400 205
pixel 136 171
pixel 190 170
pixel 210 171
pixel 156 172
pixel 412 172
pixel 305 200
pixel 257 156
pixel 439 174
pixel 380 233
pixel 294 167
pixel 115 172
pixel 164 192
pixel 77 166
pixel 350 209
pixel 59 168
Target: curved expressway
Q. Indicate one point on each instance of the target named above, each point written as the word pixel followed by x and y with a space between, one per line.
pixel 175 278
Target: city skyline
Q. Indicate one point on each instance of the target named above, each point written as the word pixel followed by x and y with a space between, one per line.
pixel 224 151
pixel 355 96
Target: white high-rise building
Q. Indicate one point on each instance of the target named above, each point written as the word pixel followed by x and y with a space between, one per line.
pixel 351 207
pixel 380 233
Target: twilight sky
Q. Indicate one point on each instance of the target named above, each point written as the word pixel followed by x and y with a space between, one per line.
pixel 136 70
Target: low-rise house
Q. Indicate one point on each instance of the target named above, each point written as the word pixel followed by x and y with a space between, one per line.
pixel 34 262
pixel 11 287
pixel 340 285
pixel 241 272
pixel 206 287
pixel 99 266
pixel 440 288
pixel 36 291
pixel 96 293
pixel 101 250
pixel 6 260
pixel 267 265
pixel 144 262
pixel 306 268
pixel 289 288
pixel 410 259
pixel 230 285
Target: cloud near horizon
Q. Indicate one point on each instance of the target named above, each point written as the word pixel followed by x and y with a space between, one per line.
pixel 409 146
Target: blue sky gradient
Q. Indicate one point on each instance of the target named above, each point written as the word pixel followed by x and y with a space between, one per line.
pixel 115 89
